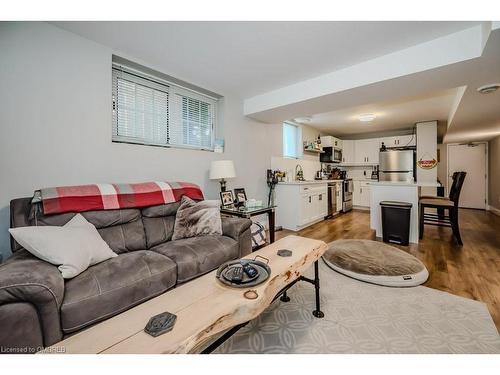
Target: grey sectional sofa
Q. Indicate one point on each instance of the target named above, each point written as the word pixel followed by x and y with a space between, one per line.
pixel 39 308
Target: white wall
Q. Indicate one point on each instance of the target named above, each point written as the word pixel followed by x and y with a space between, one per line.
pixel 427 149
pixel 309 161
pixel 442 168
pixel 55 124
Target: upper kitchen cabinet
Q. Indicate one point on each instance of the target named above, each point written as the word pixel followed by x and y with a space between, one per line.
pixel 348 151
pixel 329 141
pixel 399 141
pixel 366 151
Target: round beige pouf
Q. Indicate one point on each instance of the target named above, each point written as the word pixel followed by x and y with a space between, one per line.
pixel 375 262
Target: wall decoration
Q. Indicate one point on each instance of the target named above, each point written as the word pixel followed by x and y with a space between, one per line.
pixel 427 162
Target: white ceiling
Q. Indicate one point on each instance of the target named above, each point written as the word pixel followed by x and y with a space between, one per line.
pixel 462 61
pixel 248 58
pixel 253 59
pixel 397 114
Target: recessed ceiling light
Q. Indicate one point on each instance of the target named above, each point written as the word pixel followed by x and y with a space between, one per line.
pixel 367 117
pixel 303 120
pixel 486 89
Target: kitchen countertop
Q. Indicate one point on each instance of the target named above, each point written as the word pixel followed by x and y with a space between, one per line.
pixel 308 182
pixel 405 183
pixel 370 181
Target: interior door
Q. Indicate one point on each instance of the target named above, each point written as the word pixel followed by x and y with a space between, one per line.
pixel 470 158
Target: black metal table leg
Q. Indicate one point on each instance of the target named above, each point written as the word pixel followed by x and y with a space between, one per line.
pixel 272 226
pixel 284 297
pixel 317 313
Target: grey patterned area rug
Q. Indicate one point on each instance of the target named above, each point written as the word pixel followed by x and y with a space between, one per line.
pixel 367 318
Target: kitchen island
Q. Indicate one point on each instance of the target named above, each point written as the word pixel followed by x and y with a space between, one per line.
pixel 400 191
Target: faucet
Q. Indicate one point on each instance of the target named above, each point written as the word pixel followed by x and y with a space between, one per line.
pixel 299 173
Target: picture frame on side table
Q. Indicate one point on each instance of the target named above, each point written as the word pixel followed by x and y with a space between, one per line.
pixel 240 196
pixel 227 199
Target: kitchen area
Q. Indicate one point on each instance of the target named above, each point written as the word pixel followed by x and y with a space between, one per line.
pixel 359 174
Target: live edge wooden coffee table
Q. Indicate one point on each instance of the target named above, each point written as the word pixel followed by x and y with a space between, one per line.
pixel 204 307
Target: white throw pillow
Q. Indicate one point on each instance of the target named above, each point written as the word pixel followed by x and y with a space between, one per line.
pixel 73 247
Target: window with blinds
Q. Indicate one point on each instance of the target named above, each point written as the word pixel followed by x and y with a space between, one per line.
pixel 150 111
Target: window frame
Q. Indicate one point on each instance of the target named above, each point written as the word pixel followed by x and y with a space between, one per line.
pixel 156 83
pixel 298 142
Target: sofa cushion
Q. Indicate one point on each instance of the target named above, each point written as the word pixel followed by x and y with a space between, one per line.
pixel 113 286
pixel 195 219
pixel 159 223
pixel 198 255
pixel 73 247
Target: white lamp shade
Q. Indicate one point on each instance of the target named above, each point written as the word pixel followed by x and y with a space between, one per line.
pixel 222 169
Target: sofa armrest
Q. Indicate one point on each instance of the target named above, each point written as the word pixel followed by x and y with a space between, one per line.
pixel 25 279
pixel 239 230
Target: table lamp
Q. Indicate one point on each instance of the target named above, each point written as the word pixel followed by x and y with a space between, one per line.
pixel 220 170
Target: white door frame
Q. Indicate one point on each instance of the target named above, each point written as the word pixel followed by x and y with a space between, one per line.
pixel 448 174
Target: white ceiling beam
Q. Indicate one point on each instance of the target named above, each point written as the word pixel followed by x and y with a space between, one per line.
pixel 460 46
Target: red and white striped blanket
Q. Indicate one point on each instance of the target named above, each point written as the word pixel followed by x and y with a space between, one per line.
pixel 82 198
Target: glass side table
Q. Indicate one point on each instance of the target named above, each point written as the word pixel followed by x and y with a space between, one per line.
pixel 247 213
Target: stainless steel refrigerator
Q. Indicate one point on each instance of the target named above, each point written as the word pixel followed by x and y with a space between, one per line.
pixel 397 165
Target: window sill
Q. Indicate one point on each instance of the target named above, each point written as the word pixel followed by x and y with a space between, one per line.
pixel 193 148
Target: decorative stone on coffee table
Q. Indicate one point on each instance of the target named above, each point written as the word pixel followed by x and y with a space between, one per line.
pixel 204 307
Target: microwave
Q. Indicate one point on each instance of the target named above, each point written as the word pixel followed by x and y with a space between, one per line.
pixel 331 155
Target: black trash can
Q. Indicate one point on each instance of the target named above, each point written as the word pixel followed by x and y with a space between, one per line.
pixel 396 222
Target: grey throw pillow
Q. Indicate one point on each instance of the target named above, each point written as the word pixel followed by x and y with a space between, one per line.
pixel 197 219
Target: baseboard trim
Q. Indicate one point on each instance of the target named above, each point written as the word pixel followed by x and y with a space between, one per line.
pixel 494 210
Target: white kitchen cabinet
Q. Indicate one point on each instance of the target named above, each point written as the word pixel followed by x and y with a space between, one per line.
pixel 306 210
pixel 399 141
pixel 361 194
pixel 407 140
pixel 300 204
pixel 348 151
pixel 366 151
pixel 329 141
pixel 321 204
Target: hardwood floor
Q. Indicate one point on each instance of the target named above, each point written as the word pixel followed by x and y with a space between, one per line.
pixel 471 271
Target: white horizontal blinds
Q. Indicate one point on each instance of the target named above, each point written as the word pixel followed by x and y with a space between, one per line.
pixel 148 110
pixel 140 109
pixel 192 119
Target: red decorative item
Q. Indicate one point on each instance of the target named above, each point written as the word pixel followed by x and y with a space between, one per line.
pixel 427 164
pixel 82 198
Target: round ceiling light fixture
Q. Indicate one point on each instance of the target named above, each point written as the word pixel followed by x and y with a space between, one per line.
pixel 303 120
pixel 486 89
pixel 367 117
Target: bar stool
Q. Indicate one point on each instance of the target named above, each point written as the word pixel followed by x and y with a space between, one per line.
pixel 440 203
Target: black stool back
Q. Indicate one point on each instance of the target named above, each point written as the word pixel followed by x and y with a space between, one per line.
pixel 456 187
